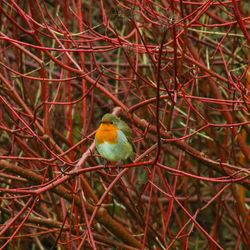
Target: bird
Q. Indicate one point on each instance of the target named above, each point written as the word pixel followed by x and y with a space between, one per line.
pixel 113 139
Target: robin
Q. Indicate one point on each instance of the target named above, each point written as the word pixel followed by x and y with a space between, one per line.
pixel 113 139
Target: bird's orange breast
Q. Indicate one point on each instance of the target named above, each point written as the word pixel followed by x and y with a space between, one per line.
pixel 107 133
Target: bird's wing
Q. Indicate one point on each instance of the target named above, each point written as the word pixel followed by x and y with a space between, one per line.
pixel 125 129
pixel 128 133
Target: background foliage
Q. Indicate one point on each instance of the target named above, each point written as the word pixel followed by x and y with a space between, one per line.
pixel 178 73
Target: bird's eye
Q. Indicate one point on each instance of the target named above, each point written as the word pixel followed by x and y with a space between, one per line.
pixel 111 122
